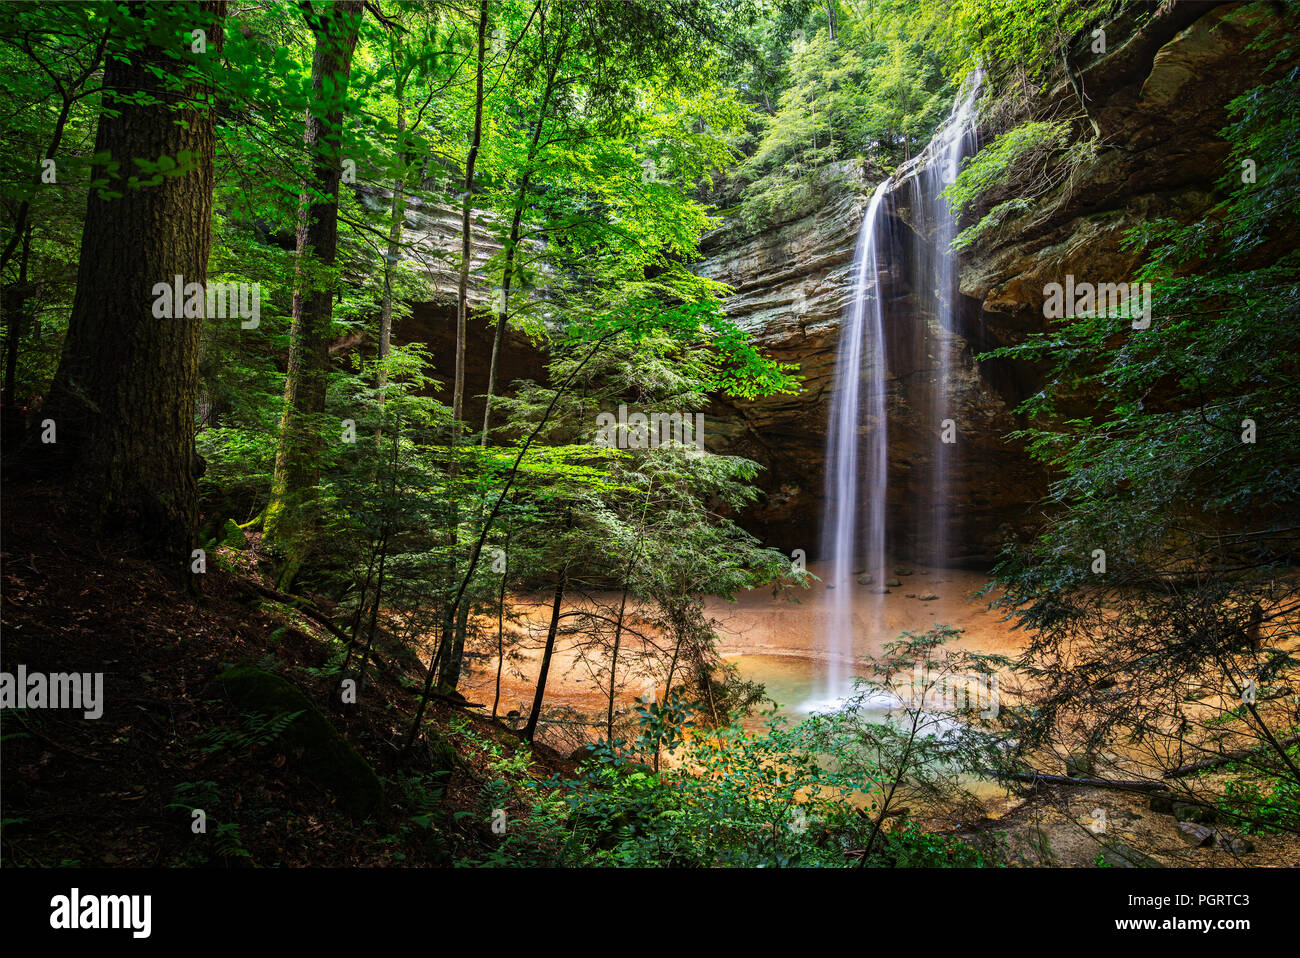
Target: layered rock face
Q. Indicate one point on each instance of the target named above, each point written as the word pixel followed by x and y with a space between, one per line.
pixel 1159 95
pixel 792 287
pixel 432 232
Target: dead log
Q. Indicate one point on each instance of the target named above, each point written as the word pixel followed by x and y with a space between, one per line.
pixel 1241 753
pixel 1036 778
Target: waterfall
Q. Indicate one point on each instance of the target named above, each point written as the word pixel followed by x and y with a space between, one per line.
pixel 857 443
pixel 861 356
pixel 935 285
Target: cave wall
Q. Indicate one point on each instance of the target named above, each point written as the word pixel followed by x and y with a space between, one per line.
pixel 1159 95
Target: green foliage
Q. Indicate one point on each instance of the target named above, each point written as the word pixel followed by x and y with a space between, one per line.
pixel 259 730
pixel 1177 453
pixel 1014 152
pixel 876 90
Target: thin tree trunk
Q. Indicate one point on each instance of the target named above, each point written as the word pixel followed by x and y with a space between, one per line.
pixel 125 393
pixel 297 459
pixel 531 729
pixel 507 270
pixel 15 309
pixel 501 614
pixel 622 609
pixel 466 240
pixel 374 612
pixel 398 213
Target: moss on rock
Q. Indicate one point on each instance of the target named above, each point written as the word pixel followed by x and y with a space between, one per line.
pixel 324 752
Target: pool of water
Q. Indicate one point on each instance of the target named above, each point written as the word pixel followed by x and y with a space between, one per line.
pixel 796 684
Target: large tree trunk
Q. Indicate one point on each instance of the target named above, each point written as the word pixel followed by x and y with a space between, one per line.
pixel 123 399
pixel 297 458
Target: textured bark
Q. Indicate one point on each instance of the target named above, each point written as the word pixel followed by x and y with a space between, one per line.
pixel 398 214
pixel 466 240
pixel 297 459
pixel 124 396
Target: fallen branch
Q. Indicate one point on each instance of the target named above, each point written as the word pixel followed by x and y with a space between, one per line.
pixel 1037 778
pixel 1242 753
pixel 303 605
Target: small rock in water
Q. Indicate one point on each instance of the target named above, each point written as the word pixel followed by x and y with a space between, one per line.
pixel 902 572
pixel 1194 834
pixel 910 595
pixel 880 592
pixel 830 585
pixel 892 583
pixel 928 597
pixel 865 580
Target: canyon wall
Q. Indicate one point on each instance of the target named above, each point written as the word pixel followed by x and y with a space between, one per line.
pixel 1159 95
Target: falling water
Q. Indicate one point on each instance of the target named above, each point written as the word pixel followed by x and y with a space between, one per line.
pixel 935 283
pixel 857 450
pixel 861 358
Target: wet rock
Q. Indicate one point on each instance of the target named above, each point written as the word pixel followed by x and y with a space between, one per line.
pixel 902 572
pixel 1196 835
pixel 893 583
pixel 928 597
pixel 910 595
pixel 865 580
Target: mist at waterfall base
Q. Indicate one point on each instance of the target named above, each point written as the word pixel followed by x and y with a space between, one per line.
pixel 855 533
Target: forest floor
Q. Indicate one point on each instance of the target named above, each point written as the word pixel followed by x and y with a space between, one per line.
pixel 114 790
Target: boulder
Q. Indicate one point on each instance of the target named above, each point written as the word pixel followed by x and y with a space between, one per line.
pixel 1117 854
pixel 1195 835
pixel 324 753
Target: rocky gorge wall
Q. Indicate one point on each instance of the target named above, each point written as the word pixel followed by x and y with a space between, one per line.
pixel 1159 95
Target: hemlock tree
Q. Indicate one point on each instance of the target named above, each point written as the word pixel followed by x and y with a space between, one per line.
pixel 288 523
pixel 122 404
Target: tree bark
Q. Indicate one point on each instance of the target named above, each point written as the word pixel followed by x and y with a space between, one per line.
pixel 531 729
pixel 507 270
pixel 124 397
pixel 297 457
pixel 466 240
pixel 398 213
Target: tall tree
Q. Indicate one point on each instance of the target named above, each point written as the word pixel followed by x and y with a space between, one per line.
pixel 122 403
pixel 288 524
pixel 466 240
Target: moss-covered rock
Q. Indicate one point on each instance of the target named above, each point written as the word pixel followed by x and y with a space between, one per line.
pixel 325 754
